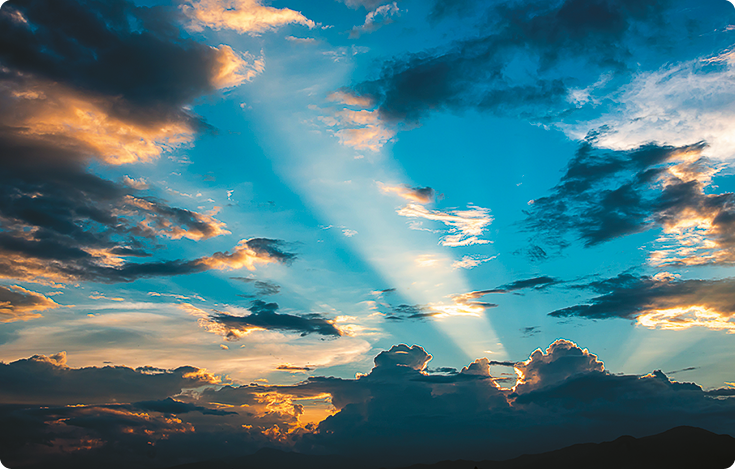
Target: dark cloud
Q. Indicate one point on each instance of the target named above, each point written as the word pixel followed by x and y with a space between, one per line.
pixel 89 81
pixel 264 316
pixel 536 283
pixel 691 368
pixel 48 381
pixel 562 45
pixel 449 416
pixel 403 312
pixel 115 49
pixel 442 9
pixel 605 195
pixel 663 301
pixel 422 194
pixel 400 411
pixel 263 287
pixel 529 331
pixel 172 406
pixel 19 304
pixel 293 368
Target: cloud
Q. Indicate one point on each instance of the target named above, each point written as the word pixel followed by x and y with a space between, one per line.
pixel 605 195
pixel 463 304
pixel 262 317
pixel 294 369
pixel 465 225
pixel 439 414
pixel 469 262
pixel 301 40
pixel 263 287
pixel 562 387
pixel 561 360
pixel 479 73
pixel 248 253
pixel 345 96
pixel 172 406
pixel 242 16
pixel 26 381
pixel 19 304
pixel 359 129
pixel 369 5
pixel 81 84
pixel 536 283
pixel 175 223
pixel 376 19
pixel 442 9
pixel 660 302
pixel 676 105
pixel 422 195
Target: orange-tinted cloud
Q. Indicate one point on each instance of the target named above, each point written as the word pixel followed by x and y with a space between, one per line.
pixel 175 223
pixel 19 304
pixel 242 16
pixel 422 195
pixel 248 253
pixel 663 301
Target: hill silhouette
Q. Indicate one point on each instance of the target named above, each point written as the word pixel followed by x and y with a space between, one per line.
pixel 680 447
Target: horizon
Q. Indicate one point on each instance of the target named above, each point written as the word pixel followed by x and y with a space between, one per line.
pixel 393 230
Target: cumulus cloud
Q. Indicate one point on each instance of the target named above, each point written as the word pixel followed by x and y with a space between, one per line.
pixel 438 415
pixel 466 226
pixel 243 16
pixel 561 360
pixel 563 387
pixel 19 304
pixel 262 316
pixel 605 195
pixel 663 301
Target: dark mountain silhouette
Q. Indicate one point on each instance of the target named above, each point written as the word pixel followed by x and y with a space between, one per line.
pixel 680 447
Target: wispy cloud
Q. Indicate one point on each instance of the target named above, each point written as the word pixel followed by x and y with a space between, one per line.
pixel 469 262
pixel 466 226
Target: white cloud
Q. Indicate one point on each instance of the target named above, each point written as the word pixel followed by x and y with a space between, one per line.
pixel 468 262
pixel 466 226
pixel 675 105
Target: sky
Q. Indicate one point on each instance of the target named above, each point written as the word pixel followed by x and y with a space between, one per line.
pixel 231 224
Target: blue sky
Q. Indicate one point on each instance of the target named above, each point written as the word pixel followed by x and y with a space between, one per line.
pixel 277 191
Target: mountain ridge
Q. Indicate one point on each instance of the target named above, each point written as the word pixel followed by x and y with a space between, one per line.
pixel 679 447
